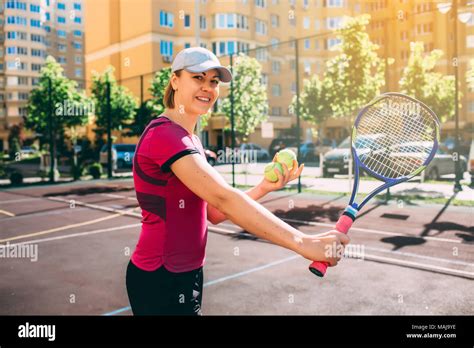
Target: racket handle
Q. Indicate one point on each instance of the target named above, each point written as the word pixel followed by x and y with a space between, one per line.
pixel 343 225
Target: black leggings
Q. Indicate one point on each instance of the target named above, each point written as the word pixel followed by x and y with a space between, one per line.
pixel 162 292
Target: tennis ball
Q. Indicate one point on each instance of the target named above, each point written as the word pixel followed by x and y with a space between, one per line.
pixel 270 174
pixel 286 156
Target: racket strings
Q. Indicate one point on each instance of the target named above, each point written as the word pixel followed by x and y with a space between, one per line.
pixel 395 137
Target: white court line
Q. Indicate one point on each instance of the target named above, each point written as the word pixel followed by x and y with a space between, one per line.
pixel 119 197
pixel 20 200
pixel 420 256
pixel 98 207
pixel 366 230
pixel 56 212
pixel 79 234
pixel 418 265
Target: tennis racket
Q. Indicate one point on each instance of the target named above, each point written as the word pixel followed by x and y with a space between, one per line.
pixel 393 139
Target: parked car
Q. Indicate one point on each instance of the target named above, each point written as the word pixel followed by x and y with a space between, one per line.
pixel 28 151
pixel 211 157
pixel 337 161
pixel 254 152
pixel 471 162
pixel 281 143
pixel 310 151
pixel 122 155
pixel 443 164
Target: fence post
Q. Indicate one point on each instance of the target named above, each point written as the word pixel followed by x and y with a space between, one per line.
pixel 109 131
pixel 232 123
pixel 52 140
pixel 298 141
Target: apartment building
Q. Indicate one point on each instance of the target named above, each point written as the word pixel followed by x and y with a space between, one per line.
pixel 30 31
pixel 139 37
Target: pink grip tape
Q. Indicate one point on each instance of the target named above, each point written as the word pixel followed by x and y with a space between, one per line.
pixel 343 225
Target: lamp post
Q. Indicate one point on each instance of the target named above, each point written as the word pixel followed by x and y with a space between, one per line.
pixel 464 18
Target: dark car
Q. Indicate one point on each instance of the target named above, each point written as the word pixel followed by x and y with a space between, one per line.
pixel 336 161
pixel 122 155
pixel 281 143
pixel 211 157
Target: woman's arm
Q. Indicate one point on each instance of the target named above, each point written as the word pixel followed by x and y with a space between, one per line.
pixel 206 182
pixel 264 187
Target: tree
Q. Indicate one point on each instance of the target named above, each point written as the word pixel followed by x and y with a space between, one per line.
pixel 470 75
pixel 250 97
pixel 15 140
pixel 157 89
pixel 421 82
pixel 314 102
pixel 64 98
pixel 356 75
pixel 122 103
pixel 143 115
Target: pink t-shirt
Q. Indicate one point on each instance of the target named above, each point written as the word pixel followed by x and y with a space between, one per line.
pixel 174 219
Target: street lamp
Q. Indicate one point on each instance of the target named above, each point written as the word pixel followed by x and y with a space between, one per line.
pixel 464 18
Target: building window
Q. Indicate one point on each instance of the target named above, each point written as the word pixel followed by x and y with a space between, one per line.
pixel 61 47
pixel 35 67
pixel 77 20
pixel 37 38
pixel 23 81
pixel 38 53
pixel 166 19
pixel 78 60
pixel 47 28
pixel 306 22
pixel 276 67
pixel 187 21
pixel 202 22
pixel 332 42
pixel 14 4
pixel 77 33
pixel 333 22
pixel 276 111
pixel 260 27
pixel 48 16
pixel 77 45
pixel 34 8
pixel 471 107
pixel 260 3
pixel 335 3
pixel 35 81
pixel 61 33
pixel 77 6
pixel 276 90
pixel 61 20
pixel 22 96
pixel 307 44
pixel 470 41
pixel 61 6
pixel 166 48
pixel 16 20
pixel 187 45
pixel 275 19
pixel 16 35
pixel 78 72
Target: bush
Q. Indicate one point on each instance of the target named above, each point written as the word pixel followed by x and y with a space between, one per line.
pixel 16 178
pixel 95 169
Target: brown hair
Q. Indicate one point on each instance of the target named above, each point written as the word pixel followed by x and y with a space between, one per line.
pixel 168 99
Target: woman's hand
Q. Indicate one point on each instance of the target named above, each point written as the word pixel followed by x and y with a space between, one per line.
pixel 288 175
pixel 328 247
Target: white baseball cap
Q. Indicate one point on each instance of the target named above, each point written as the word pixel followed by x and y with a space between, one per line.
pixel 199 59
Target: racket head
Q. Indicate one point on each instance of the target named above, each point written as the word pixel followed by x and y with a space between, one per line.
pixel 394 137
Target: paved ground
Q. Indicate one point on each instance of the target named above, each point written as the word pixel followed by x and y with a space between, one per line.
pixel 412 259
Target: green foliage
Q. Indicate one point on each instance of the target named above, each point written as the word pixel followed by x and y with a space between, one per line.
pixel 143 115
pixel 421 82
pixel 157 89
pixel 63 92
pixel 94 169
pixel 356 75
pixel 250 97
pixel 15 140
pixel 470 75
pixel 122 102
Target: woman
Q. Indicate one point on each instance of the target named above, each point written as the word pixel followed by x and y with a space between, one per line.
pixel 178 190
